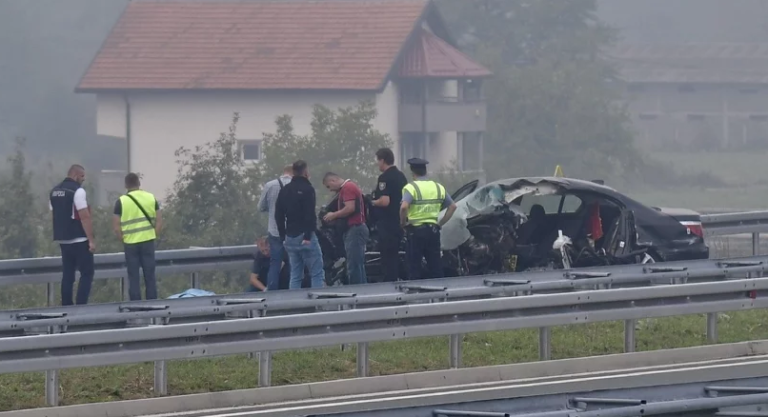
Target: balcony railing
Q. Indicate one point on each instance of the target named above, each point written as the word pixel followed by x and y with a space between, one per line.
pixel 445 114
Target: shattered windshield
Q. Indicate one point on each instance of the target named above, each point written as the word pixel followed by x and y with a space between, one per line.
pixel 486 200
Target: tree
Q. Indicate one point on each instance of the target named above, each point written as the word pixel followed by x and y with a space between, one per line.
pixel 18 230
pixel 548 101
pixel 343 141
pixel 215 195
pixel 214 201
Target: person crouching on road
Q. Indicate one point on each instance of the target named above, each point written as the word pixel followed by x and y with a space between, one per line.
pixel 351 211
pixel 137 222
pixel 261 266
pixel 297 225
pixel 422 201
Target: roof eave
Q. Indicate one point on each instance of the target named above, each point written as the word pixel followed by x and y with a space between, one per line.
pixel 429 8
pixel 112 90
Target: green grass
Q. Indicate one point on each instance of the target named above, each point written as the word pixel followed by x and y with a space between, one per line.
pixel 237 372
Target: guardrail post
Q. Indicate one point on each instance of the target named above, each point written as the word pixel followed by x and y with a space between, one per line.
pixel 161 371
pixel 52 380
pixel 454 345
pixel 755 243
pixel 362 353
pixel 124 288
pixel 265 369
pixel 756 252
pixel 194 280
pixel 51 294
pixel 712 327
pixel 362 360
pixel 545 351
pixel 629 335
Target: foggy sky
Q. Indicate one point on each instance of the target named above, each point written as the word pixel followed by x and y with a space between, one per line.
pixel 46 45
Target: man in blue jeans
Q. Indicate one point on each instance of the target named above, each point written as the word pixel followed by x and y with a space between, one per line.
pixel 297 225
pixel 350 211
pixel 267 205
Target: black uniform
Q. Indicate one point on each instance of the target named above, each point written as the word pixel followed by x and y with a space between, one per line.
pixel 390 183
pixel 69 233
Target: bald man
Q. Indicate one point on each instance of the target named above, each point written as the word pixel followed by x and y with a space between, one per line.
pixel 73 231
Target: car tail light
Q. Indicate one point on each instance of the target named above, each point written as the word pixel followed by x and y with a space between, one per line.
pixel 696 229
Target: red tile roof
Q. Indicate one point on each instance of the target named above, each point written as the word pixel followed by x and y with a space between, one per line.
pixel 430 56
pixel 331 44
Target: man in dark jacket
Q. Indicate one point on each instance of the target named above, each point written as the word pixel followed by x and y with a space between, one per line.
pixel 73 231
pixel 297 225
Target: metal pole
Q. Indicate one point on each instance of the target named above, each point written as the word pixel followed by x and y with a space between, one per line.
pixel 194 280
pixel 161 371
pixel 265 369
pixel 712 327
pixel 755 243
pixel 51 293
pixel 161 378
pixel 124 288
pixel 544 348
pixel 52 388
pixel 756 251
pixel 362 360
pixel 454 345
pixel 52 380
pixel 629 335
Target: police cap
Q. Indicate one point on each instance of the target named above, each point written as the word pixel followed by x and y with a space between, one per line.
pixel 417 162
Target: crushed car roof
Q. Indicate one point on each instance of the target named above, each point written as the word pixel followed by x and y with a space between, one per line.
pixel 568 183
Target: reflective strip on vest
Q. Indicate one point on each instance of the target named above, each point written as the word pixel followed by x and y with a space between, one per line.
pixel 428 198
pixel 135 226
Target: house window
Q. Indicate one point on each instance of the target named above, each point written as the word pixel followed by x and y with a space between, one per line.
pixel 471 90
pixel 250 150
pixel 411 91
pixel 412 145
pixel 471 151
pixel 686 88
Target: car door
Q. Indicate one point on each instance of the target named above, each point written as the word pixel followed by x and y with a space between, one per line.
pixel 622 236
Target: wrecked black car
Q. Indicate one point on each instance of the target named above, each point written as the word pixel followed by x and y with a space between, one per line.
pixel 552 223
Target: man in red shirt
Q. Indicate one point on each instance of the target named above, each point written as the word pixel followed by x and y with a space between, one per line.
pixel 352 210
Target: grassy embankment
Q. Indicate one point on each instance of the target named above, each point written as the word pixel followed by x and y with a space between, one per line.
pixel 744 173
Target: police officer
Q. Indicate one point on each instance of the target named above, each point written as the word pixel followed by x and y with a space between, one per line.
pixel 386 212
pixel 423 199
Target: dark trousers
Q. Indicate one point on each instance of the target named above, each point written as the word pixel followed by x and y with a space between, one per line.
pixel 424 243
pixel 390 235
pixel 76 257
pixel 141 255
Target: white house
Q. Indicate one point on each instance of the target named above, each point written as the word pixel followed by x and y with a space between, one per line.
pixel 172 74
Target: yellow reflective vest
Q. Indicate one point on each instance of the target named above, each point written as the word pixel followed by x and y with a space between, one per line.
pixel 428 197
pixel 135 226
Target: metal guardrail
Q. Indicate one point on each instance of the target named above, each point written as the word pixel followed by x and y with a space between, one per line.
pixel 238 258
pixel 72 319
pixel 118 315
pixel 723 224
pixel 266 334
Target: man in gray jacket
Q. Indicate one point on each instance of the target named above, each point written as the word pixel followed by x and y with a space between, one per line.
pixel 267 205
